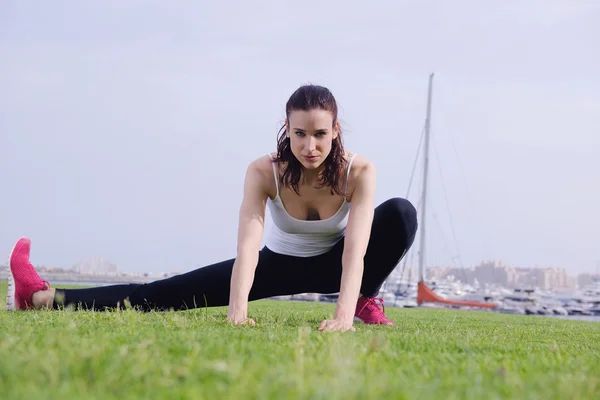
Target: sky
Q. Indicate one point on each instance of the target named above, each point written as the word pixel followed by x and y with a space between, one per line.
pixel 126 127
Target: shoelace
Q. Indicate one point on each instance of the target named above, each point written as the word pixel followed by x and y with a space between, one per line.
pixel 371 303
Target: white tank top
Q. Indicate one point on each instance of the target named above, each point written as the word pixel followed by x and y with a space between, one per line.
pixel 303 238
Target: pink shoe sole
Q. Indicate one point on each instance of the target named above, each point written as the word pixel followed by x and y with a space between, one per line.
pixel 360 321
pixel 10 295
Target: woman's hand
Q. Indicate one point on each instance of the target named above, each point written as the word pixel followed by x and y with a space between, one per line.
pixel 239 319
pixel 247 321
pixel 336 325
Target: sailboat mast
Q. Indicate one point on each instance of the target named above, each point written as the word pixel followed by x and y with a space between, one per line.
pixel 425 175
pixel 424 293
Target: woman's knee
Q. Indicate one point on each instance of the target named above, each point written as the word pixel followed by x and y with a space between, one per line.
pixel 400 213
pixel 394 230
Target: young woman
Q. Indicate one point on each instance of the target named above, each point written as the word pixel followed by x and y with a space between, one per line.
pixel 327 237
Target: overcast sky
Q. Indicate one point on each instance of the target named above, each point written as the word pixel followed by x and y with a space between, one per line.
pixel 126 127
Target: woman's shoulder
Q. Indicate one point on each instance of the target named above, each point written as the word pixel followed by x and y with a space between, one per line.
pixel 260 173
pixel 262 165
pixel 362 172
pixel 360 164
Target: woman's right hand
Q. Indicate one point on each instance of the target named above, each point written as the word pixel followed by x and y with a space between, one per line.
pixel 239 319
pixel 247 321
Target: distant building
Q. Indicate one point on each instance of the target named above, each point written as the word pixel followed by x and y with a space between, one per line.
pixel 96 266
pixel 496 273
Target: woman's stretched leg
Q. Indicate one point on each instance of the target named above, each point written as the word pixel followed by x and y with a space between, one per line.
pixel 275 274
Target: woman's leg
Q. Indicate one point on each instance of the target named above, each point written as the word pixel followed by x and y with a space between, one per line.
pixel 392 234
pixel 275 274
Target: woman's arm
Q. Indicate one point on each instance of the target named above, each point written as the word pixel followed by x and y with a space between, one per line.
pixel 356 240
pixel 250 231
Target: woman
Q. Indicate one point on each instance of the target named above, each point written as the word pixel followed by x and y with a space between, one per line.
pixel 327 236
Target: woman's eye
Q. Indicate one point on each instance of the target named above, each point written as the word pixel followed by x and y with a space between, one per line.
pixel 299 133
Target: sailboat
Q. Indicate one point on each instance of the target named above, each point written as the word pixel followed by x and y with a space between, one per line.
pixel 424 292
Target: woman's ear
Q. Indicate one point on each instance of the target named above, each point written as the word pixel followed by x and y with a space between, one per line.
pixel 287 128
pixel 336 129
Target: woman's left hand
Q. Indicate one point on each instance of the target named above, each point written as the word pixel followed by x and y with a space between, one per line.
pixel 334 325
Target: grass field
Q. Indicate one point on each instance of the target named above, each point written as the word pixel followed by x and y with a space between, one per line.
pixel 194 354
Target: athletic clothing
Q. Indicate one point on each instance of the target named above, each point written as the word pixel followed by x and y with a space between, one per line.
pixel 302 238
pixel 392 233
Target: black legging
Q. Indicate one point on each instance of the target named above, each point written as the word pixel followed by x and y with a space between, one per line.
pixel 392 233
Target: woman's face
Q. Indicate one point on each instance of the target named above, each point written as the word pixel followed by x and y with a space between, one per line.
pixel 311 134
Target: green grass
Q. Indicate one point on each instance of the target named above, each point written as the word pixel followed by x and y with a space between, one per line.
pixel 194 354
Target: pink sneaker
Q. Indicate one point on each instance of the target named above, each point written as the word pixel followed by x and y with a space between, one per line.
pixel 368 311
pixel 23 281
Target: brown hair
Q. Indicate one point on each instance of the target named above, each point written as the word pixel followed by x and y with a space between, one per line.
pixel 306 98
